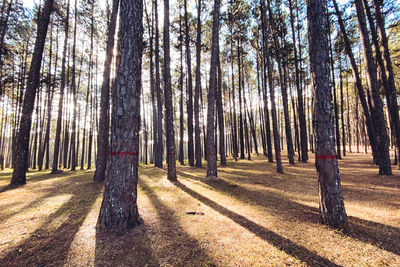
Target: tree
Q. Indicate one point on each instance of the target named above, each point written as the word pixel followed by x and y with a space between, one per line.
pixel 158 157
pixel 211 97
pixel 57 140
pixel 189 90
pixel 22 141
pixel 169 109
pixel 103 135
pixel 119 211
pixel 331 204
pixel 377 104
pixel 197 91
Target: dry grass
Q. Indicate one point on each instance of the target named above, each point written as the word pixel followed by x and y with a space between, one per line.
pixel 251 217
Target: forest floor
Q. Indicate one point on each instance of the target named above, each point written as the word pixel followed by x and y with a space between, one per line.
pixel 251 217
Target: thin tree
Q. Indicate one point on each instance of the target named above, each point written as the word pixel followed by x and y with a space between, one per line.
pixel 158 157
pixel 197 90
pixel 331 205
pixel 103 134
pixel 22 140
pixel 211 97
pixel 189 90
pixel 373 84
pixel 119 211
pixel 169 109
pixel 57 140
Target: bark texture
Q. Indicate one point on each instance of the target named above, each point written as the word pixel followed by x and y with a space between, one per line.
pixel 331 205
pixel 20 161
pixel 169 109
pixel 104 121
pixel 211 97
pixel 119 211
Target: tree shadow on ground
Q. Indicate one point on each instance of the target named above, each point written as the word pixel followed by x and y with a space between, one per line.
pixel 280 242
pixel 36 176
pixel 47 246
pixel 380 235
pixel 158 243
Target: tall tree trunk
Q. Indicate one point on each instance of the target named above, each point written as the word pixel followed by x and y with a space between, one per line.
pixel 104 122
pixel 371 73
pixel 189 91
pixel 22 140
pixel 119 211
pixel 241 137
pixel 386 68
pixel 57 139
pixel 342 107
pixel 283 78
pixel 234 135
pixel 220 115
pixel 335 105
pixel 357 77
pixel 169 110
pixel 211 156
pixel 301 114
pixel 158 158
pixel 181 126
pixel 274 115
pixel 197 90
pixel 331 204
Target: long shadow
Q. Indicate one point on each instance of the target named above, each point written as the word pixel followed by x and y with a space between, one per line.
pixel 174 231
pixel 38 177
pixel 50 247
pixel 130 249
pixel 280 242
pixel 380 235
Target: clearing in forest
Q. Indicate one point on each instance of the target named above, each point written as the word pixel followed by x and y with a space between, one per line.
pixel 253 216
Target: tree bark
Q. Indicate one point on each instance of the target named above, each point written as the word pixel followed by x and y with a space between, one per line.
pixel 22 140
pixel 189 91
pixel 158 158
pixel 331 204
pixel 119 211
pixel 169 109
pixel 371 73
pixel 211 97
pixel 274 114
pixel 104 121
pixel 197 90
pixel 57 139
pixel 300 104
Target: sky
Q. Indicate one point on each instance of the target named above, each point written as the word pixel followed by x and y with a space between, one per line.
pixel 31 3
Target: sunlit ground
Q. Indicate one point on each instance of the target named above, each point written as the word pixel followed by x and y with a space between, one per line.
pixel 251 217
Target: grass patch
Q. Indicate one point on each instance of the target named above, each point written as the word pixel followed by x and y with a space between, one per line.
pixel 252 216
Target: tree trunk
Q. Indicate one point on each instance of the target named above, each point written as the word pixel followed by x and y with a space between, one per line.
pixel 211 156
pixel 57 139
pixel 386 69
pixel 283 83
pixel 371 73
pixel 361 94
pixel 104 122
pixel 181 126
pixel 269 68
pixel 220 114
pixel 169 110
pixel 331 205
pixel 189 91
pixel 197 90
pixel 158 158
pixel 22 140
pixel 301 114
pixel 119 211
